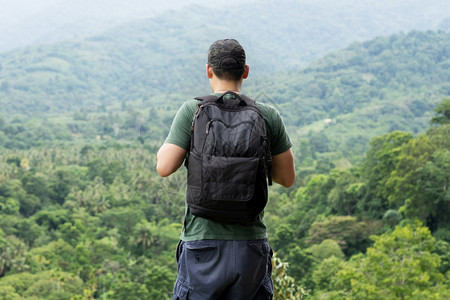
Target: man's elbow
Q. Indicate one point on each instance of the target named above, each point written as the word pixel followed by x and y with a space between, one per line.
pixel 289 182
pixel 286 181
pixel 169 158
pixel 163 171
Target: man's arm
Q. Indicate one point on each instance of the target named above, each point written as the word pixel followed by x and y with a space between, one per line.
pixel 169 159
pixel 283 170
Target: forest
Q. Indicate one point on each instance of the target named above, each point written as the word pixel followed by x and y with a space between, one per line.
pixel 84 214
pixel 95 221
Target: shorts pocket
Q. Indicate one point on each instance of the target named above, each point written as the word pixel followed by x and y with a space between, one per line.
pixel 199 252
pixel 180 291
pixel 201 259
pixel 261 248
pixel 266 289
pixel 179 250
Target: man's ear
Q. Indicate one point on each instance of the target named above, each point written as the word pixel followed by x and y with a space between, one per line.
pixel 209 71
pixel 246 70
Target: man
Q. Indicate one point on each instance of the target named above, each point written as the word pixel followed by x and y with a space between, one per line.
pixel 217 260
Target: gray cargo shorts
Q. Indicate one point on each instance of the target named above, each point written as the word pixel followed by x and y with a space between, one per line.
pixel 223 269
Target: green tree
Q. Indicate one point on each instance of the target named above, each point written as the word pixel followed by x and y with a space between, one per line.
pixel 37 184
pixel 346 192
pixel 351 235
pixel 327 248
pixel 130 290
pixel 57 254
pixel 324 276
pixel 442 113
pixel 419 182
pixel 145 235
pixel 403 179
pixel 52 219
pixel 318 141
pixel 443 250
pixel 53 285
pixel 159 282
pixel 315 194
pixel 8 293
pixel 308 155
pixel 301 263
pixel 284 286
pixel 71 233
pixel 400 265
pixel 64 180
pixel 29 203
pixel 392 217
pixel 6 259
pixel 29 231
pixel 9 206
pixel 381 159
pixel 124 219
pixel 283 238
pixel 18 282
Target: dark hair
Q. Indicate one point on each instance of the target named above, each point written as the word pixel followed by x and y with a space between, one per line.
pixel 227 59
pixel 232 75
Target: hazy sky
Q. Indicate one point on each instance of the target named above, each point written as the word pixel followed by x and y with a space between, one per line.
pixel 24 22
pixel 13 11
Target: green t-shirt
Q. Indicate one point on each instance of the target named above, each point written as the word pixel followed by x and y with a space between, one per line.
pixel 197 228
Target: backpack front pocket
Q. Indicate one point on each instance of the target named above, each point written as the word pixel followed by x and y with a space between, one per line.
pixel 229 178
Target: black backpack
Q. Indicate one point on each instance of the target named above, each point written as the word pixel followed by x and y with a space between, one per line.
pixel 229 161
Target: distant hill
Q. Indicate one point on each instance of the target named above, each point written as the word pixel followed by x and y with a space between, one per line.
pixel 166 54
pixel 27 22
pixel 338 103
pixel 370 88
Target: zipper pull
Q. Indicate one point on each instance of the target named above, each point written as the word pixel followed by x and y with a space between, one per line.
pixel 207 126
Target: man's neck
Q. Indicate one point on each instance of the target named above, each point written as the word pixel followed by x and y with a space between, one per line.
pixel 224 86
pixel 225 90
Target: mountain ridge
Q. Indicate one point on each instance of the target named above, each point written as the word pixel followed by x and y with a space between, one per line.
pixel 159 55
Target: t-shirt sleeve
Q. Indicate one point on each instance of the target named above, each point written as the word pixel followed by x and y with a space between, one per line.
pixel 279 139
pixel 180 131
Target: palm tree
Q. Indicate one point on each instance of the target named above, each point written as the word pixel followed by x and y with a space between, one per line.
pixel 143 234
pixel 6 259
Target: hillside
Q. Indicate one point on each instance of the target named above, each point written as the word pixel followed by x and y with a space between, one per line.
pixel 370 88
pixel 338 103
pixel 166 54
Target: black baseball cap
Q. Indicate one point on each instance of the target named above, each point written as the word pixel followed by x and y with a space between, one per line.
pixel 226 54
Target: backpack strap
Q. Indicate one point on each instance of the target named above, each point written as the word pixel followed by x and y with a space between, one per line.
pixel 206 98
pixel 244 100
pixel 268 160
pixel 247 99
pixel 197 109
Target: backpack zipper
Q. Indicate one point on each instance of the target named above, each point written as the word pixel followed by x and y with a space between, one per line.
pixel 208 125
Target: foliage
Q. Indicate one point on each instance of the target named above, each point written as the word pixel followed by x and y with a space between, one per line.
pixel 326 249
pixel 326 273
pixel 399 265
pixel 337 104
pixel 84 215
pixel 442 113
pixel 351 235
pixel 95 222
pixel 283 285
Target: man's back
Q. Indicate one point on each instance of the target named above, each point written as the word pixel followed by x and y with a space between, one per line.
pixel 196 228
pixel 217 260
